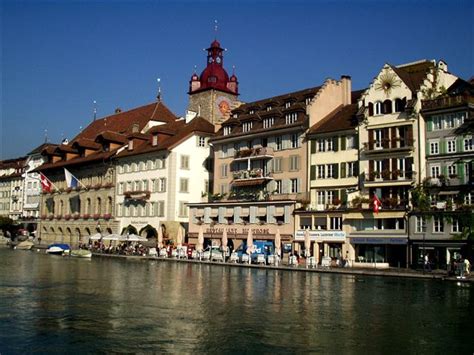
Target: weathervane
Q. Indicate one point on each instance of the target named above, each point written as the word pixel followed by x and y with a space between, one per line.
pixel 215 27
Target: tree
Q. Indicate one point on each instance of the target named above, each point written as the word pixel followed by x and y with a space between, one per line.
pixel 7 226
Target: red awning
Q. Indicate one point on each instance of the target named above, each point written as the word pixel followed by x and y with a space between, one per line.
pixel 249 182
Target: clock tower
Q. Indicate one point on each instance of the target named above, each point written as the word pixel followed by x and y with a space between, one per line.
pixel 212 95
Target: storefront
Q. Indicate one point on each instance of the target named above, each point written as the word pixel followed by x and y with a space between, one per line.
pixel 440 253
pixel 323 243
pixel 380 251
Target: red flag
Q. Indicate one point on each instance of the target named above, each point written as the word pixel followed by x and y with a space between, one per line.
pixel 45 183
pixel 376 203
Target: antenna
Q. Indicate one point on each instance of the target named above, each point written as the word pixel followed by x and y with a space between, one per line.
pixel 215 28
pixel 195 67
pixel 95 110
pixel 158 80
pixel 233 70
pixel 46 136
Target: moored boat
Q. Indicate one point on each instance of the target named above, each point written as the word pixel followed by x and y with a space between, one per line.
pixel 58 249
pixel 25 245
pixel 81 253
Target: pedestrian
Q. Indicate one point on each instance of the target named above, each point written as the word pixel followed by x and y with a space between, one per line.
pixel 467 266
pixel 427 266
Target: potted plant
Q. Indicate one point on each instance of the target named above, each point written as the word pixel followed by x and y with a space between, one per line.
pixel 67 217
pixel 50 217
pixel 86 216
pixel 386 174
pixel 76 216
pixel 107 216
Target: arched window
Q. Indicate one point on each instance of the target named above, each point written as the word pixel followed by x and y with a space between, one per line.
pixel 400 105
pixel 61 207
pixel 88 231
pixel 387 106
pixel 51 230
pixel 98 207
pixel 60 231
pixel 88 206
pixel 109 205
pixel 378 108
pixel 371 109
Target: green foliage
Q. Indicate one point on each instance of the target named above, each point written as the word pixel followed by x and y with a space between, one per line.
pixel 420 198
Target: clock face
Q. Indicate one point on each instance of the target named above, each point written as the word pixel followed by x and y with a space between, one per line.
pixel 210 60
pixel 223 106
pixel 218 60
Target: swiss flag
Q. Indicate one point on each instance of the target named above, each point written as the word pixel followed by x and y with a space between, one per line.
pixel 376 203
pixel 45 183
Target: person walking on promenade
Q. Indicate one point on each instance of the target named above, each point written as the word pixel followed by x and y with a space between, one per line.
pixel 427 266
pixel 467 266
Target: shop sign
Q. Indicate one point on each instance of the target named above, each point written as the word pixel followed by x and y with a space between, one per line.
pixel 322 236
pixel 235 231
pixel 369 240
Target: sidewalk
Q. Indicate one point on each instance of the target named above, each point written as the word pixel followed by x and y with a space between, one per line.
pixel 391 272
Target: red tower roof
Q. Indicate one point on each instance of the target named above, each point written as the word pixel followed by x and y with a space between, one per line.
pixel 214 76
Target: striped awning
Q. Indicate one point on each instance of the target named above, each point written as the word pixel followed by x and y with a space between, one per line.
pixel 249 182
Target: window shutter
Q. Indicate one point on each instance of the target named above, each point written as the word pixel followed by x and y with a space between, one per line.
pixel 393 135
pixel 371 139
pixel 297 162
pixel 410 135
pixel 344 196
pixel 287 214
pixel 335 143
pixel 284 186
pixel 429 125
pixel 298 185
pixel 343 142
pixel 371 166
pixel 394 164
pixel 343 170
pixel 428 149
pixel 444 171
pixel 313 146
pixel 460 144
pixel 385 164
pixel 356 168
pixel 442 146
pixel 409 164
pixel 271 186
pixel 336 194
pixel 312 172
pixel 252 214
pixel 335 168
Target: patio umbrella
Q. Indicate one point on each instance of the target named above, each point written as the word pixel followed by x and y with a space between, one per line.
pixel 307 243
pixel 224 242
pixel 200 243
pixel 249 242
pixel 277 242
pixel 96 236
pixel 160 238
pixel 179 238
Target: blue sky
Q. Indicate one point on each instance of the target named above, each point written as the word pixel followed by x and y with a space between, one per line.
pixel 58 57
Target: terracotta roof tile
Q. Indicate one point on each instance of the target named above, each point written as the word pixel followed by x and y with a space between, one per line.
pixel 413 75
pixel 341 119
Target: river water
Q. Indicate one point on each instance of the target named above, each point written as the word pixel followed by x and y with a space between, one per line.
pixel 62 304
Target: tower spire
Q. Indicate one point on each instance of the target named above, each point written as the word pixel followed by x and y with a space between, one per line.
pixel 158 96
pixel 95 110
pixel 215 29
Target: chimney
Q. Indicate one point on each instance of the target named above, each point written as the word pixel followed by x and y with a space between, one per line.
pixel 135 128
pixel 346 89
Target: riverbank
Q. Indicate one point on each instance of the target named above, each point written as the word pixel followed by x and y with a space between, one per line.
pixel 391 272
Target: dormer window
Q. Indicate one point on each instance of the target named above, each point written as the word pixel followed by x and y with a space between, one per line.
pixel 246 126
pixel 287 104
pixel 269 108
pixel 227 130
pixel 155 140
pixel 268 122
pixel 308 100
pixel 291 117
pixel 235 115
pixel 251 112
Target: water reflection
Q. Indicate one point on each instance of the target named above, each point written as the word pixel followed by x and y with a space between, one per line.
pixel 51 303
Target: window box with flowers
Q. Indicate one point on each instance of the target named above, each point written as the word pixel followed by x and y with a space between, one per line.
pixel 43 216
pixel 96 216
pixel 69 189
pixel 86 216
pixel 67 217
pixel 59 216
pixel 76 216
pixel 108 185
pixel 97 186
pixel 51 217
pixel 107 216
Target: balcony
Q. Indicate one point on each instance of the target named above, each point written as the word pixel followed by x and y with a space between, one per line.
pixel 137 195
pixel 250 177
pixel 391 176
pixel 445 102
pixel 253 154
pixel 386 145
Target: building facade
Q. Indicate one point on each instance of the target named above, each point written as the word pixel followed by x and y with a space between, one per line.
pixel 442 218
